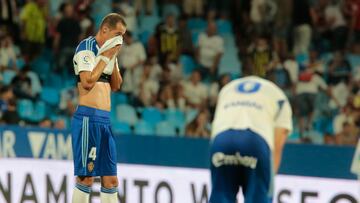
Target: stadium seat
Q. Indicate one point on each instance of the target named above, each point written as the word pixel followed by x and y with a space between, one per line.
pixel 39 112
pixel 171 9
pixel 165 128
pixel 54 80
pixel 152 115
pixel 119 98
pixel 354 60
pixel 148 23
pixel 119 127
pixel 25 108
pixel 41 67
pixel 50 95
pixel 188 64
pixel 229 63
pixel 8 75
pixel 175 117
pixel 196 24
pixel 144 37
pixel 126 113
pixel 143 128
pixel 224 27
pixel 20 63
pixel 195 37
pixel 191 114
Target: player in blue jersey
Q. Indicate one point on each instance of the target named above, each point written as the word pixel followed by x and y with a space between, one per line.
pixel 252 120
pixel 93 143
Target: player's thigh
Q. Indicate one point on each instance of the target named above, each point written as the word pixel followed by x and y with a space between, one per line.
pixel 225 184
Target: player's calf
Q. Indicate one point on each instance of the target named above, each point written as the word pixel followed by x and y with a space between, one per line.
pixel 109 189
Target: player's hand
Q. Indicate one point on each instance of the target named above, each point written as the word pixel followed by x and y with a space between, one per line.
pixel 111 52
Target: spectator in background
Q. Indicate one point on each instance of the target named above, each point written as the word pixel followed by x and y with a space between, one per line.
pixel 352 11
pixel 261 55
pixel 86 22
pixel 209 51
pixel 11 116
pixel 131 60
pixel 6 94
pixel 8 17
pixel 339 69
pixel 314 63
pixel 193 7
pixel 336 23
pixel 60 124
pixel 301 21
pixel 139 6
pixel 308 86
pixel 261 13
pixel 129 13
pixel 45 123
pixel 33 21
pixel 22 84
pixel 68 101
pixel 199 126
pixel 292 66
pixel 196 92
pixel 147 89
pixel 168 39
pixel 67 38
pixel 348 135
pixel 174 68
pixel 166 97
pixel 156 69
pixel 346 115
pixel 280 76
pixel 185 37
pixel 7 53
pixel 215 89
pixel 281 26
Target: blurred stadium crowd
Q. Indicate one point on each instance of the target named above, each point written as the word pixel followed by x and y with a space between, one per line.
pixel 177 56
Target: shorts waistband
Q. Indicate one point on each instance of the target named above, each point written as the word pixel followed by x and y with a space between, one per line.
pixel 89 111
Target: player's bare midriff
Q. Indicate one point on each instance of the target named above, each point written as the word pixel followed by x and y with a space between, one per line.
pixel 98 97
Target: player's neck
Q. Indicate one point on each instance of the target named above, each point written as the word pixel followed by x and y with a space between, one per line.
pixel 99 40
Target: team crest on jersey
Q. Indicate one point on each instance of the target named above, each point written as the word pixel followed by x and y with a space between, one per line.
pixel 90 166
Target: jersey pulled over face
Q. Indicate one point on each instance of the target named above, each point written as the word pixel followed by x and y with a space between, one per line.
pixel 252 103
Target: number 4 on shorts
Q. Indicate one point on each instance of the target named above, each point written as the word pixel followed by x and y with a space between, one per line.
pixel 92 153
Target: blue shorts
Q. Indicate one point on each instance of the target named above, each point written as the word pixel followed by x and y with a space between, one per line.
pixel 240 158
pixel 93 143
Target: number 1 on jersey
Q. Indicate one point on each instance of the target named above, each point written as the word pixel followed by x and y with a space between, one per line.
pixel 92 153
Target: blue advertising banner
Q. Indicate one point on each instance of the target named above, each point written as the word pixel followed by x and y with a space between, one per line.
pixel 298 159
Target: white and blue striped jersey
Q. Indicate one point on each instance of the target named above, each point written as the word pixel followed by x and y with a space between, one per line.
pixel 252 103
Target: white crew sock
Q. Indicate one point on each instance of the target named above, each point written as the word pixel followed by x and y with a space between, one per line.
pixel 81 193
pixel 108 195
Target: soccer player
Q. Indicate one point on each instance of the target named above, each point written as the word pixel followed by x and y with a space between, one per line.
pixel 92 139
pixel 252 120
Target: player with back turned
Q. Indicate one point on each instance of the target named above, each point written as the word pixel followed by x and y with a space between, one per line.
pixel 252 120
pixel 92 140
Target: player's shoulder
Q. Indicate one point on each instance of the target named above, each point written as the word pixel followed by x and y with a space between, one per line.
pixel 87 44
pixel 252 84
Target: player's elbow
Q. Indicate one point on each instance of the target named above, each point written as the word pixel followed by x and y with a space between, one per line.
pixel 117 85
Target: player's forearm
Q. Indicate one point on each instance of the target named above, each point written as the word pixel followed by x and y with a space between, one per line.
pixel 277 160
pixel 116 80
pixel 88 79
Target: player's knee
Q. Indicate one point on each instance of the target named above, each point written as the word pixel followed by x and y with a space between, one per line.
pixel 85 180
pixel 110 182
